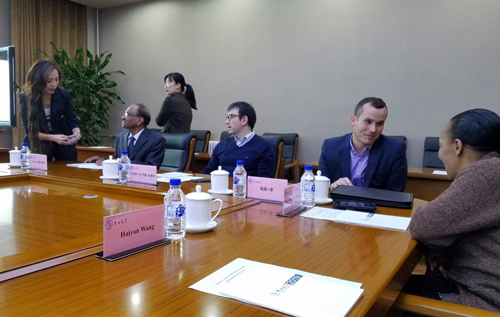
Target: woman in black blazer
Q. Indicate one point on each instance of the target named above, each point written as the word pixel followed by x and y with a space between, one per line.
pixel 47 113
pixel 175 114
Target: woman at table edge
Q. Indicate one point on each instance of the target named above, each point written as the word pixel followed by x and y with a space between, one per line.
pixel 47 113
pixel 460 229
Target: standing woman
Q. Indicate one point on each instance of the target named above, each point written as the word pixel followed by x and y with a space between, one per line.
pixel 175 114
pixel 47 113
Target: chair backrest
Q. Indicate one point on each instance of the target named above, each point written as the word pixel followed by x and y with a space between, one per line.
pixel 431 149
pixel 398 137
pixel 224 135
pixel 179 154
pixel 290 146
pixel 277 144
pixel 202 139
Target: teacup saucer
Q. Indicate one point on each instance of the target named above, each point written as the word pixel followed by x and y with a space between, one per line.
pixel 109 177
pixel 210 226
pixel 14 165
pixel 323 201
pixel 226 192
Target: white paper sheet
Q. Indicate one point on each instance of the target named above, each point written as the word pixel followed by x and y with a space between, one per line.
pixel 322 213
pixel 286 290
pixel 439 172
pixel 213 282
pixel 183 178
pixel 93 166
pixel 173 175
pixel 373 220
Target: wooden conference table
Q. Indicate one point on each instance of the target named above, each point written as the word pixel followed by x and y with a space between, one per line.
pixel 46 220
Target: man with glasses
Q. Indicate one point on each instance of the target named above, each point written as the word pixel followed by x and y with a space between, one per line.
pixel 143 145
pixel 257 154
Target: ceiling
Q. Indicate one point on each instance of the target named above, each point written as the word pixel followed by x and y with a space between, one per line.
pixel 102 4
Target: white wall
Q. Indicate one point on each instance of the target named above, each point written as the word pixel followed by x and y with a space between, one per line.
pixel 305 64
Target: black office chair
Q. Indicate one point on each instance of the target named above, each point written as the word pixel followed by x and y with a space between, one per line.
pixel 289 153
pixel 224 135
pixel 401 138
pixel 431 149
pixel 277 143
pixel 202 139
pixel 179 154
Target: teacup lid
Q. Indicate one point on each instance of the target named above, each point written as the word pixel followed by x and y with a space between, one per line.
pixel 15 150
pixel 318 177
pixel 110 160
pixel 220 171
pixel 198 195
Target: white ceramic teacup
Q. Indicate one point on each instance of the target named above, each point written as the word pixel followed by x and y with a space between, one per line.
pixel 322 185
pixel 199 209
pixel 15 157
pixel 110 168
pixel 219 180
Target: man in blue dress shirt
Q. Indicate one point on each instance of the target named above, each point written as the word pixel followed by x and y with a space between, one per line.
pixel 243 144
pixel 366 157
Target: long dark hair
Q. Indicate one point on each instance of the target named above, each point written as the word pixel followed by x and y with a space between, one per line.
pixel 478 129
pixel 185 88
pixel 36 81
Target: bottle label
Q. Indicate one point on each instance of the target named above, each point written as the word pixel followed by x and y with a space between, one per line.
pixel 309 187
pixel 175 210
pixel 238 180
pixel 123 167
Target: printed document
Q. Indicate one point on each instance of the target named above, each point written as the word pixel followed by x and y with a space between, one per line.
pixel 282 289
pixel 373 220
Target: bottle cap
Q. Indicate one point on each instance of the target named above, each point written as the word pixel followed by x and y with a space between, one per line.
pixel 308 168
pixel 25 144
pixel 175 182
pixel 125 152
pixel 239 162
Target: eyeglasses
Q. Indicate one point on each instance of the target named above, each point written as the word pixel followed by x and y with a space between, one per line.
pixel 231 116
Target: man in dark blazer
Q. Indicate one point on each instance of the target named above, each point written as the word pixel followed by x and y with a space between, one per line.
pixel 365 157
pixel 143 145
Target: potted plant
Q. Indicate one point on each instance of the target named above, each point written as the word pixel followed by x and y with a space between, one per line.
pixel 91 90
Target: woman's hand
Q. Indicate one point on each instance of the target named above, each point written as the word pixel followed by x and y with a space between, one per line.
pixel 59 138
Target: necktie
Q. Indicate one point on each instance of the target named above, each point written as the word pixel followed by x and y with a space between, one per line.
pixel 131 144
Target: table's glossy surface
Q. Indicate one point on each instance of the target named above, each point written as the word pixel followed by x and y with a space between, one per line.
pixel 156 282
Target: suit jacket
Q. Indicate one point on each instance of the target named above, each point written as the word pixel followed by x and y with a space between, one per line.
pixel 62 120
pixel 149 149
pixel 387 167
pixel 175 114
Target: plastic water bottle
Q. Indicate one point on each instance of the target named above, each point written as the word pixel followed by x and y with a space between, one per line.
pixel 175 211
pixel 239 180
pixel 307 187
pixel 124 168
pixel 25 157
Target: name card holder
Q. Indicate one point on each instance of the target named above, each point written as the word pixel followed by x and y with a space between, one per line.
pixel 266 189
pixel 291 201
pixel 38 162
pixel 132 232
pixel 143 174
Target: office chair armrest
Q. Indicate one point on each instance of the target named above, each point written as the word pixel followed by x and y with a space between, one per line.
pixel 293 164
pixel 432 307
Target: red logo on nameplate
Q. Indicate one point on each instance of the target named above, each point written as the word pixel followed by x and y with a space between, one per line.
pixel 144 174
pixel 269 189
pixel 133 229
pixel 38 162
